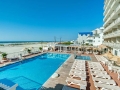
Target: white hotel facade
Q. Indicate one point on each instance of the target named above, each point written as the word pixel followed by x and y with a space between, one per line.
pixel 94 38
pixel 112 25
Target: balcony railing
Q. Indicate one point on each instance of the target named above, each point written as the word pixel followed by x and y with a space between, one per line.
pixel 113 34
pixel 106 6
pixel 112 24
pixel 110 9
pixel 117 45
pixel 111 16
pixel 113 45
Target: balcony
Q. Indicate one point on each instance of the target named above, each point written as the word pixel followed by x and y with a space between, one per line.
pixel 89 39
pixel 113 34
pixel 110 9
pixel 109 44
pixel 113 45
pixel 112 24
pixel 117 45
pixel 112 15
pixel 106 6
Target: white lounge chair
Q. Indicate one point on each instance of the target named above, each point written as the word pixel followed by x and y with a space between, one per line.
pixel 82 87
pixel 71 81
pixel 77 71
pixel 79 75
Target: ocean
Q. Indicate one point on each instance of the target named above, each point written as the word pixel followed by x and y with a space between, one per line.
pixel 21 42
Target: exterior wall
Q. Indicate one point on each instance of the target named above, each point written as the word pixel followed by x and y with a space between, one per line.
pixel 116 52
pixel 95 39
pixel 89 40
pixel 82 38
pixel 98 36
pixel 112 25
pixel 98 40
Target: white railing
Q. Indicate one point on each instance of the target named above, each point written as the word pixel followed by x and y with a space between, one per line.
pixel 109 9
pixel 111 16
pixel 113 34
pixel 106 7
pixel 112 24
pixel 117 45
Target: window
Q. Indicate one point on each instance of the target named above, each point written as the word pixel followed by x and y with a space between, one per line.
pixel 115 52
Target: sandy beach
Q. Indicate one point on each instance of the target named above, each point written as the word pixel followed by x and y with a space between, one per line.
pixel 17 48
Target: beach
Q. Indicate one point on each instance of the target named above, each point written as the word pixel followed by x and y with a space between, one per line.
pixel 15 49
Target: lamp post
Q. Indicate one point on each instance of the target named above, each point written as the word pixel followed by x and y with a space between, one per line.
pixel 55 38
pixel 83 46
pixel 60 44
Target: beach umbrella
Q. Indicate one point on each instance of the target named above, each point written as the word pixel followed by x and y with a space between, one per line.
pixel 31 48
pixel 115 58
pixel 24 49
pixel 108 55
pixel 118 62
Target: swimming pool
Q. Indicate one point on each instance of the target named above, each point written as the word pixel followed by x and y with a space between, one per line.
pixel 83 57
pixel 32 73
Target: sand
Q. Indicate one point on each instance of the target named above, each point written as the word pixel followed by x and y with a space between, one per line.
pixel 17 48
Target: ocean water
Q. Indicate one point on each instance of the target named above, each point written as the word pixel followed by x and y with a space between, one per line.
pixel 20 42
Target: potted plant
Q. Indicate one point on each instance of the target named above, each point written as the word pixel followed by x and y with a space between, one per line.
pixel 29 51
pixel 40 48
pixel 4 56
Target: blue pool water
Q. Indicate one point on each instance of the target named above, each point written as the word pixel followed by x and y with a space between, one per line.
pixel 83 57
pixel 31 74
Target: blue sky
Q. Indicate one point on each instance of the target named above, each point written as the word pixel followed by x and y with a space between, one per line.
pixel 22 20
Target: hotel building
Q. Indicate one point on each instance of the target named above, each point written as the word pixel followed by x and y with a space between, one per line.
pixel 82 37
pixel 94 38
pixel 112 25
pixel 98 36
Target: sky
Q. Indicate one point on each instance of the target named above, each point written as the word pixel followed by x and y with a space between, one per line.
pixel 42 20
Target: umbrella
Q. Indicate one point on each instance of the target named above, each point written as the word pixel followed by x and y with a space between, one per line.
pixel 24 49
pixel 102 46
pixel 31 48
pixel 115 58
pixel 108 55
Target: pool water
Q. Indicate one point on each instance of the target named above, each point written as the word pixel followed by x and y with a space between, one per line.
pixel 83 57
pixel 31 74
